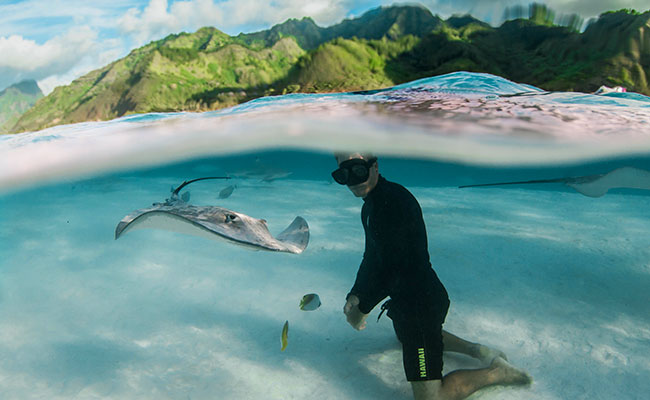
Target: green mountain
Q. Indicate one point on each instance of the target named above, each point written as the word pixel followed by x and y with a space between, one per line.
pixel 614 50
pixel 390 22
pixel 199 71
pixel 15 100
pixel 209 70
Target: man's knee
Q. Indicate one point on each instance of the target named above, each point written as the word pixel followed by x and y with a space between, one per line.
pixel 426 390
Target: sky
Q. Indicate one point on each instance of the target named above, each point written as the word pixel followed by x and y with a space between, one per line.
pixel 56 41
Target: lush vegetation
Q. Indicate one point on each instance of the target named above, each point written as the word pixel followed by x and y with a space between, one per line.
pixel 15 100
pixel 208 69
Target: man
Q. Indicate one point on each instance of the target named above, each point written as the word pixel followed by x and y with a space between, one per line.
pixel 396 264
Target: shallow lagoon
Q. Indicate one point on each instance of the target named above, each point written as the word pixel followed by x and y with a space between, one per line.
pixel 555 279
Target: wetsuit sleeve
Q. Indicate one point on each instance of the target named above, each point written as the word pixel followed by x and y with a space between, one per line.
pixel 391 235
pixel 368 286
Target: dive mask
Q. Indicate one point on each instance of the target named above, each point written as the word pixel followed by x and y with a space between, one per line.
pixel 353 172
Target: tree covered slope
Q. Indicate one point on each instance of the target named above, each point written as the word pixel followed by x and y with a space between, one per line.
pixel 208 69
pixel 15 100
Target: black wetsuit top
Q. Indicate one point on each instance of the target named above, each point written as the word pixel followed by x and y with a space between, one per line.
pixel 396 257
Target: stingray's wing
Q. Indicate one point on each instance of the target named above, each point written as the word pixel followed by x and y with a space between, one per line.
pixel 168 218
pixel 589 187
pixel 296 236
pixel 625 177
pixel 218 224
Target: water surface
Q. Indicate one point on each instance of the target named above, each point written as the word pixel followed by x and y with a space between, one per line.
pixel 555 279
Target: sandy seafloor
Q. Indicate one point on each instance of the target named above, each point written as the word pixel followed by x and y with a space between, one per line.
pixel 559 281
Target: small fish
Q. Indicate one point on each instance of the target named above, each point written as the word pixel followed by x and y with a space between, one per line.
pixel 185 196
pixel 226 192
pixel 310 302
pixel 285 336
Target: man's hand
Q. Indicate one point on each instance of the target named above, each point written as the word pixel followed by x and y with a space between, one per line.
pixel 354 316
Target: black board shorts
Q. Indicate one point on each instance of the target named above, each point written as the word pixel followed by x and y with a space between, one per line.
pixel 421 338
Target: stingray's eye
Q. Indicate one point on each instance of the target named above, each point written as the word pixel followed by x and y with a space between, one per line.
pixel 230 217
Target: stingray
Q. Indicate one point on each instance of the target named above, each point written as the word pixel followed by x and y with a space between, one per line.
pixel 262 172
pixel 594 185
pixel 226 192
pixel 218 223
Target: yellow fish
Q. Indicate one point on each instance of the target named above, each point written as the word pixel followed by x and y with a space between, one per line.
pixel 310 302
pixel 285 336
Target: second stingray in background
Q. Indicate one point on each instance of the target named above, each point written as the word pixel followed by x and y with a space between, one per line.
pixel 593 185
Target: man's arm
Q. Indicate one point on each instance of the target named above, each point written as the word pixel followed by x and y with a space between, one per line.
pixel 369 286
pixel 389 229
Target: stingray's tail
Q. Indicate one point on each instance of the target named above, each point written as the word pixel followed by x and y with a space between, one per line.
pixel 563 180
pixel 296 236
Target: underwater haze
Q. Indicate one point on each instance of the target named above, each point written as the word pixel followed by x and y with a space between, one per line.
pixel 555 274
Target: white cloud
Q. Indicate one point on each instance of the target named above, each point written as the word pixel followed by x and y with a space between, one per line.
pixel 154 20
pixel 56 54
pixel 109 28
pixel 48 84
pixel 65 57
pixel 25 59
pixel 492 10
pixel 160 17
pixel 594 8
pixel 109 51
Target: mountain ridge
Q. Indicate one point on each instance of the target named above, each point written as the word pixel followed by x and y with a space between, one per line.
pixel 209 69
pixel 15 100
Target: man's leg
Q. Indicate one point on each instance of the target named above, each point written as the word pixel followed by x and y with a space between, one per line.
pixel 460 384
pixel 475 350
pixel 426 390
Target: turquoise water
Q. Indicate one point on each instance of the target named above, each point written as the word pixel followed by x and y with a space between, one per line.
pixel 460 118
pixel 556 279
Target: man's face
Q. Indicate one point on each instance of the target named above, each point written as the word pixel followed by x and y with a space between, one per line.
pixel 362 189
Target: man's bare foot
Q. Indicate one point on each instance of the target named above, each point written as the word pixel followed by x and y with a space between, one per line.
pixel 487 354
pixel 509 375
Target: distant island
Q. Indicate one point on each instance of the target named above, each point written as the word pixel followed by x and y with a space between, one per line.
pixel 209 69
pixel 15 100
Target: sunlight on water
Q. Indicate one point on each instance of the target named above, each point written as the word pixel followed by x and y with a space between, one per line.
pixel 554 278
pixel 461 117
